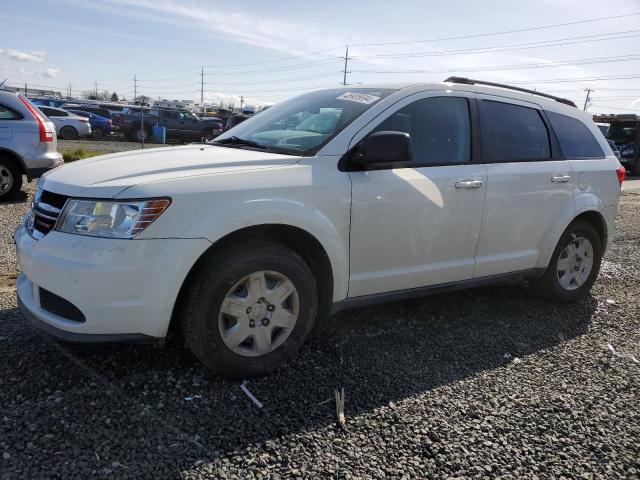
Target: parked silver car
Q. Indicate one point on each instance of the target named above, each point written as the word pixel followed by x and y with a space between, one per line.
pixel 68 125
pixel 28 144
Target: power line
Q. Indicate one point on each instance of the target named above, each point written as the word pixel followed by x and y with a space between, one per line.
pixel 518 46
pixel 583 79
pixel 584 61
pixel 503 32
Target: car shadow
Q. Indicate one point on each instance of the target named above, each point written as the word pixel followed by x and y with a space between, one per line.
pixel 20 197
pixel 380 354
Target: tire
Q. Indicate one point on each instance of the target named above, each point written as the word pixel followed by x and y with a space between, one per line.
pixel 98 133
pixel 68 133
pixel 567 290
pixel 10 180
pixel 141 134
pixel 221 277
pixel 208 136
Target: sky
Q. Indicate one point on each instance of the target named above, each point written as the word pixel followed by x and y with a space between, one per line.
pixel 270 51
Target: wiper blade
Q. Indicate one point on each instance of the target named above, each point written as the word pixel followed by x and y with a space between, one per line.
pixel 233 140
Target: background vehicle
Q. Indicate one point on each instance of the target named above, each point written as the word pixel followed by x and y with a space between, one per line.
pixel 28 144
pixel 376 194
pixel 100 126
pixel 624 131
pixel 180 125
pixel 69 126
pixel 614 148
pixel 233 120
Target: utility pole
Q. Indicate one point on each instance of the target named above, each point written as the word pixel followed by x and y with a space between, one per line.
pixel 135 89
pixel 346 63
pixel 202 86
pixel 586 100
pixel 25 89
pixel 69 88
pixel 241 103
pixel 96 84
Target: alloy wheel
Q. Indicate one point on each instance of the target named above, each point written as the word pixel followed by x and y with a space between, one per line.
pixel 6 179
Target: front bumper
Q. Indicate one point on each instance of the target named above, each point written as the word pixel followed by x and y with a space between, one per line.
pixel 126 289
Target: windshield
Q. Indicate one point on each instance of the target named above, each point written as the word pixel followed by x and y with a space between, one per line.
pixel 303 125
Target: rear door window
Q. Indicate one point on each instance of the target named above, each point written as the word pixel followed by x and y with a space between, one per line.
pixel 512 133
pixel 575 138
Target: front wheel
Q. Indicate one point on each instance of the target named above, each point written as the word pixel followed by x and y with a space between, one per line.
pixel 574 265
pixel 249 309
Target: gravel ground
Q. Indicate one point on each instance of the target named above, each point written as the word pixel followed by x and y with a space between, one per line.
pixel 483 383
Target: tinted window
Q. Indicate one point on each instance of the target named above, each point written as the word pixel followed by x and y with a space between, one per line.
pixel 575 138
pixel 439 128
pixel 47 111
pixel 54 112
pixel 511 133
pixel 7 113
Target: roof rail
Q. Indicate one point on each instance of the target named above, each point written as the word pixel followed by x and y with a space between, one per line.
pixel 470 81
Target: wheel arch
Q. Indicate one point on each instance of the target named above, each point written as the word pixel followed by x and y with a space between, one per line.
pixel 297 239
pixel 592 216
pixel 5 153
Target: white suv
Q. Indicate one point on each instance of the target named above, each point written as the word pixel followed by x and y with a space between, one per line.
pixel 334 199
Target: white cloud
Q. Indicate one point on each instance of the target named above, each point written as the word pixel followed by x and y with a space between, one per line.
pixel 51 72
pixel 247 28
pixel 30 56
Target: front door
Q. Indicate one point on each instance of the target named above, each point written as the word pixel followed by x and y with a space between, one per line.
pixel 418 225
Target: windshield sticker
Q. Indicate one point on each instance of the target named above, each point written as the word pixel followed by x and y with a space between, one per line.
pixel 358 97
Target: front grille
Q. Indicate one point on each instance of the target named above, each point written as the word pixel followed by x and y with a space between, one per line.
pixel 52 303
pixel 45 211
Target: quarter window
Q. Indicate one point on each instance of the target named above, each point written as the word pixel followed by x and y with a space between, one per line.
pixel 7 113
pixel 575 138
pixel 511 133
pixel 439 128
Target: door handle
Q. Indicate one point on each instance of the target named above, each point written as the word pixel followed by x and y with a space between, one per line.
pixel 560 178
pixel 468 184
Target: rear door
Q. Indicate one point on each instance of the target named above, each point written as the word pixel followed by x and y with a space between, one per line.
pixel 417 224
pixel 528 189
pixel 594 172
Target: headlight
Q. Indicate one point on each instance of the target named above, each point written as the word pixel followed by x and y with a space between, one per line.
pixel 111 219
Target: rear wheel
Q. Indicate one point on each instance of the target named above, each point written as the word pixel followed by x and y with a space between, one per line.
pixel 10 179
pixel 68 133
pixel 574 265
pixel 249 308
pixel 98 132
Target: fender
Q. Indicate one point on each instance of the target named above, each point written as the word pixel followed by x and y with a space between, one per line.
pixel 584 202
pixel 281 211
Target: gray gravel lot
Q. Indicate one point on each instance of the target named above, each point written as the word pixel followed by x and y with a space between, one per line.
pixel 486 383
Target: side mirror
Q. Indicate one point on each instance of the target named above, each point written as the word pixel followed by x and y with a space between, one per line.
pixel 387 147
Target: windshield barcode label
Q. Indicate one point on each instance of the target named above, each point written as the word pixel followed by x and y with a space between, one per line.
pixel 358 97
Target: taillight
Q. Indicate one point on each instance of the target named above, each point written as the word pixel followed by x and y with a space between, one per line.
pixel 46 134
pixel 109 122
pixel 622 173
pixel 83 119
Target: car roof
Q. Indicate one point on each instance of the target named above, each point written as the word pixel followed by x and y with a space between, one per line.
pixel 415 87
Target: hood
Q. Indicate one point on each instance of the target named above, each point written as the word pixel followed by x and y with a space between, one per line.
pixel 107 175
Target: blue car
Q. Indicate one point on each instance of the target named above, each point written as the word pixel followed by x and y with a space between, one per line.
pixel 100 126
